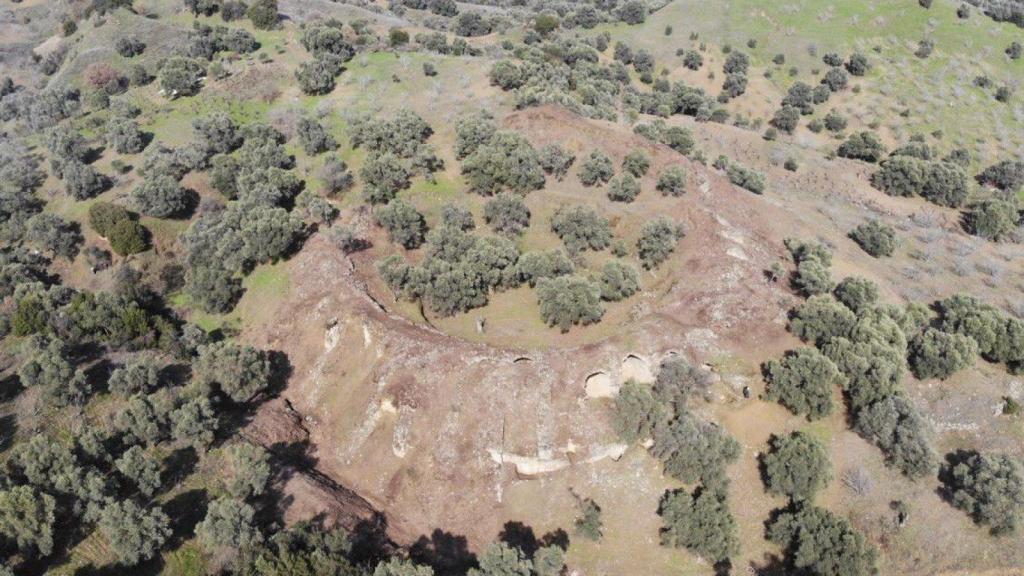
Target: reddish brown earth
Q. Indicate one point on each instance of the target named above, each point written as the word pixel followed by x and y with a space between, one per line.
pixel 405 415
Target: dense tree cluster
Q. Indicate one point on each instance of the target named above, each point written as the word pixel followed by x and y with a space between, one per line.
pixel 941 182
pixel 866 347
pixel 998 337
pixel 459 273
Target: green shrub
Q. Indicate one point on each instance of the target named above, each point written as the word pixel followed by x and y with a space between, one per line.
pixel 700 522
pixel 992 219
pixel 802 381
pixel 937 354
pixel 989 487
pixel 623 188
pixel 818 542
pixel 566 301
pixel 618 281
pixel 672 181
pixel 597 168
pixel 581 228
pixel 875 238
pixel 894 425
pixel 858 294
pixel 658 239
pixel 796 466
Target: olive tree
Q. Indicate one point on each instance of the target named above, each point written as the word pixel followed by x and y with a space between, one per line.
pixel 555 160
pixel 694 450
pixel 135 534
pixel 161 196
pixel 796 466
pixel 240 372
pixel 124 136
pixel 895 426
pixel 507 214
pixel 700 522
pixel 858 294
pixel 988 487
pixel 818 542
pixel 27 518
pixel 597 168
pixel 937 354
pixel 317 76
pixel 637 412
pixel 875 238
pixel 566 301
pixel 657 241
pixel 533 266
pixel 862 146
pixel 672 181
pixel 248 470
pixel 636 163
pixel 618 281
pixel 218 131
pixel 383 176
pixel 228 524
pixel 505 161
pixel 992 219
pixel 51 233
pixel 181 76
pixel 802 381
pixel 82 181
pixel 405 225
pixel 140 469
pixel 138 376
pixel 624 188
pixel 581 228
pixel 314 138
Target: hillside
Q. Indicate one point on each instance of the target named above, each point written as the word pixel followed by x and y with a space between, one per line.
pixel 538 288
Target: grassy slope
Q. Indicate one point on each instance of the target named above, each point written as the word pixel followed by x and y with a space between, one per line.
pixel 937 91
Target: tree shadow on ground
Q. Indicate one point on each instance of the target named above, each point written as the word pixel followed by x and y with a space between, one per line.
pixel 448 554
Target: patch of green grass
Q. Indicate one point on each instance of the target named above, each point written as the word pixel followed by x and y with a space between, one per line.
pixel 267 284
pixel 938 90
pixel 187 560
